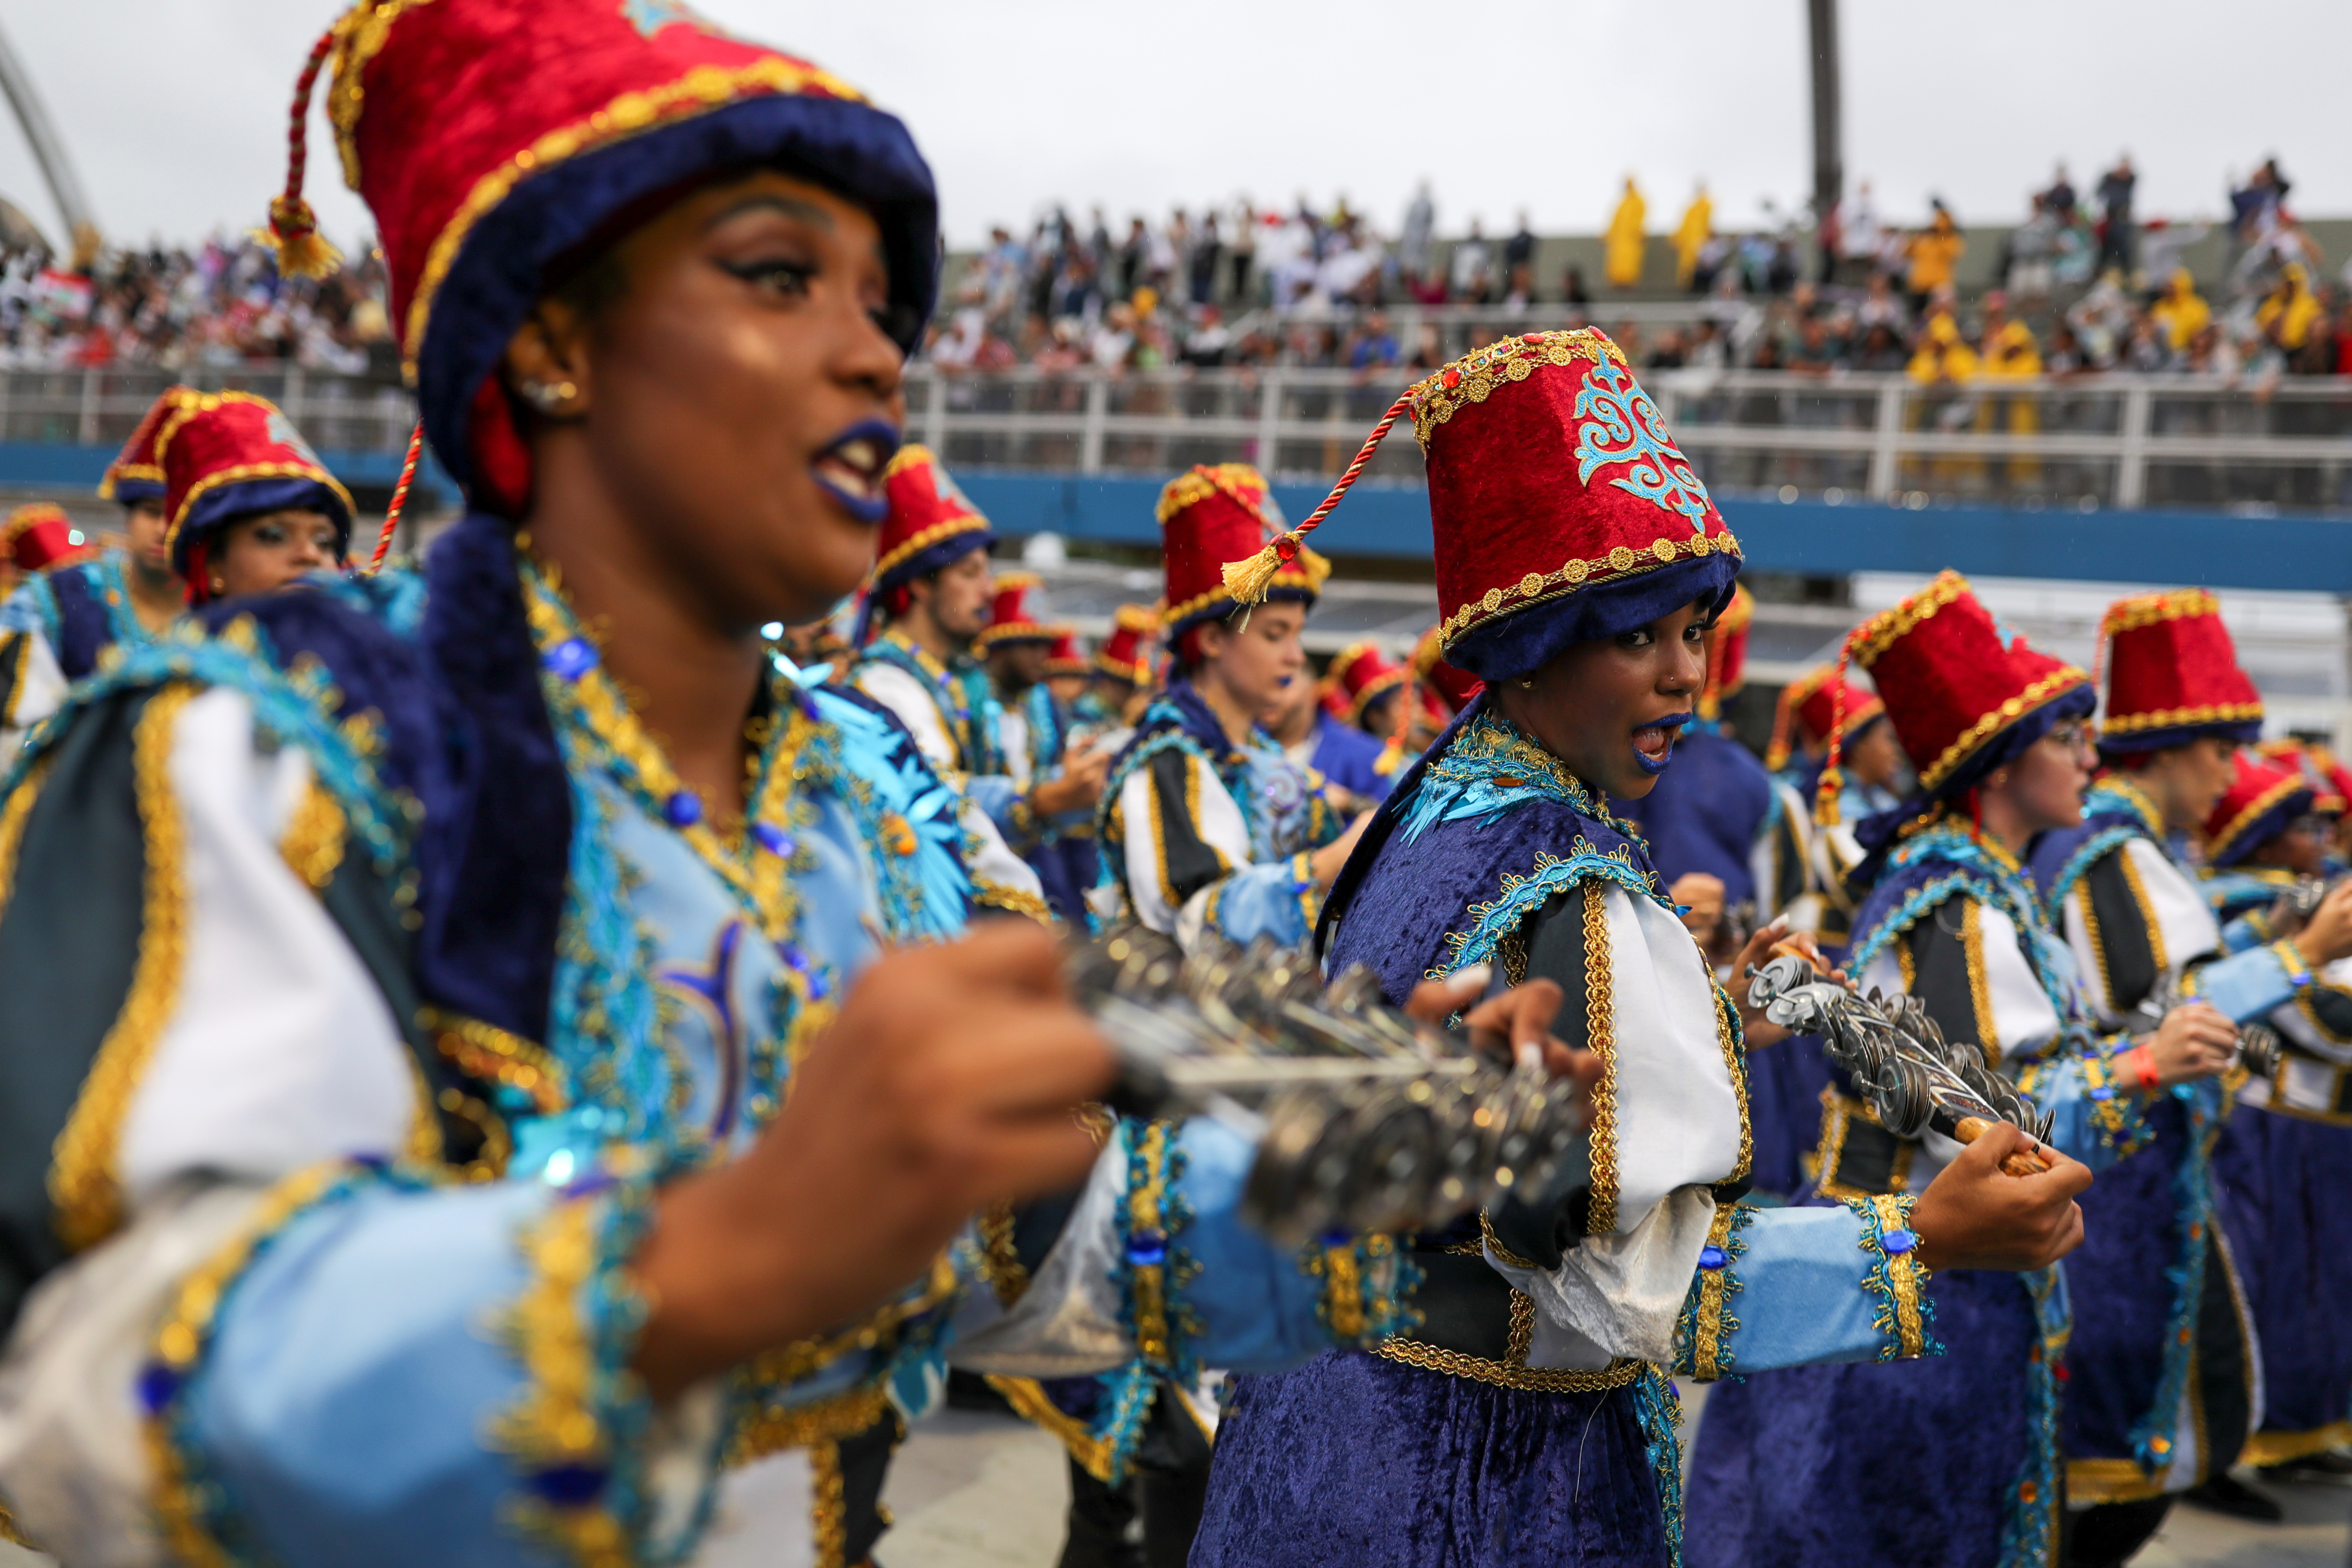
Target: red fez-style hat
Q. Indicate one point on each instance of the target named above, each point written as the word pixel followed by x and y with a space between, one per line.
pixel 1066 657
pixel 136 475
pixel 1214 517
pixel 1358 677
pixel 1966 693
pixel 499 142
pixel 1726 652
pixel 2331 786
pixel 2261 801
pixel 1014 616
pixel 2173 674
pixel 1812 703
pixel 1126 654
pixel 930 523
pixel 36 537
pixel 230 454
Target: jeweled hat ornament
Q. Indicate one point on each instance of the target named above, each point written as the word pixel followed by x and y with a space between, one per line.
pixel 1126 654
pixel 2172 674
pixel 499 142
pixel 1966 693
pixel 1553 488
pixel 1726 653
pixel 136 475
pixel 930 525
pixel 38 536
pixel 227 455
pixel 1360 675
pixel 1013 616
pixel 1809 706
pixel 1216 518
pixel 2260 803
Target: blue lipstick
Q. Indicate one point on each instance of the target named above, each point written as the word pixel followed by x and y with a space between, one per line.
pixel 1672 726
pixel 850 469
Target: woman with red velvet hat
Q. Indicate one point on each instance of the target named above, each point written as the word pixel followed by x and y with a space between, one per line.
pixel 55 625
pixel 2129 904
pixel 1528 1419
pixel 1125 667
pixel 1206 824
pixel 1035 735
pixel 2288 1144
pixel 1355 743
pixel 476 1068
pixel 35 541
pixel 1813 1468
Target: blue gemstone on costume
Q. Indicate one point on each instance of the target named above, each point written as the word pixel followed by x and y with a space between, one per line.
pixel 684 809
pixel 1895 1243
pixel 2104 1091
pixel 794 959
pixel 1147 1249
pixel 819 987
pixel 1336 1238
pixel 570 1486
pixel 773 839
pixel 572 658
pixel 157 1385
pixel 1713 1257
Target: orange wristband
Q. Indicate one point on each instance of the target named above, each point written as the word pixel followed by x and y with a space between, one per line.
pixel 2143 1066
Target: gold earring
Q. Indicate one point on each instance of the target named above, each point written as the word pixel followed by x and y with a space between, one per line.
pixel 218 587
pixel 1527 683
pixel 547 396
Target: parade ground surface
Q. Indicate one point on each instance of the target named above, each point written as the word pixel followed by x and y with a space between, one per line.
pixel 975 1490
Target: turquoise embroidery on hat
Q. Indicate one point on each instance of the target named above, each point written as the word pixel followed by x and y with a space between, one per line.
pixel 1624 428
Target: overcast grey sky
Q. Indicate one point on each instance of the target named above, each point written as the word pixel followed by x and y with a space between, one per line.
pixel 174 110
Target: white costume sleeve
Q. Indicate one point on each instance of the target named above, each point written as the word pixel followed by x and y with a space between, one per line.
pixel 915 707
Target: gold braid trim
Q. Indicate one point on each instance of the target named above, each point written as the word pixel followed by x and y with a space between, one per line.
pixel 828 1506
pixel 313 842
pixel 1148 1279
pixel 1707 1321
pixel 762 1432
pixel 2055 683
pixel 1601 1029
pixel 2090 913
pixel 485 1051
pixel 999 1259
pixel 15 695
pixel 2148 609
pixel 1979 982
pixel 1516 1377
pixel 13 818
pixel 1904 1274
pixel 2264 1448
pixel 2233 829
pixel 244 472
pixel 2167 718
pixel 82 1187
pixel 1028 1399
pixel 180 1344
pixel 361 37
pixel 1014 901
pixel 796 1362
pixel 2147 909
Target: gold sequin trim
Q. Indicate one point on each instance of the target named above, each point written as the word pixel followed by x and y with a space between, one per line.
pixel 1014 901
pixel 493 1055
pixel 700 90
pixel 1601 1029
pixel 13 818
pixel 82 1187
pixel 2114 723
pixel 2235 828
pixel 1478 375
pixel 313 842
pixel 828 1507
pixel 1625 560
pixel 766 1431
pixel 1708 1323
pixel 180 1343
pixel 1147 1281
pixel 244 472
pixel 1000 1260
pixel 1029 1400
pixel 2148 609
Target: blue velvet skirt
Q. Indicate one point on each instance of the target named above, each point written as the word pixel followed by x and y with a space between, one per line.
pixel 2129 1317
pixel 2284 1185
pixel 1861 1466
pixel 1357 1462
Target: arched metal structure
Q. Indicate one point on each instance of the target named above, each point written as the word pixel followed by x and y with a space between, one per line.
pixel 48 150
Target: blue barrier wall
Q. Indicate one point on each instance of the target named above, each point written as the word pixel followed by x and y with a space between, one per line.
pixel 43 465
pixel 2211 549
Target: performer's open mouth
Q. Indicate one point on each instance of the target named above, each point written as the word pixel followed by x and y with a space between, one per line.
pixel 1654 743
pixel 851 468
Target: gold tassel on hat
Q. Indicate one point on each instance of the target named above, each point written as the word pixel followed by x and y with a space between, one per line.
pixel 1247 581
pixel 302 250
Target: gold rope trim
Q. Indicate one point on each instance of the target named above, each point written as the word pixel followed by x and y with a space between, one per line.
pixel 1028 1398
pixel 493 1055
pixel 828 1506
pixel 924 541
pixel 1838 1113
pixel 1505 1375
pixel 2148 609
pixel 313 841
pixel 1707 1327
pixel 1980 984
pixel 1479 374
pixel 180 1343
pixel 2147 910
pixel 244 472
pixel 2113 724
pixel 82 1187
pixel 2264 1448
pixel 1903 1273
pixel 1878 633
pixel 2085 906
pixel 1625 560
pixel 1014 901
pixel 700 90
pixel 2056 683
pixel 999 1259
pixel 2231 830
pixel 771 1431
pixel 1601 1029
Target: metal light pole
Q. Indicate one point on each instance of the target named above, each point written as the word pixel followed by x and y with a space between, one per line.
pixel 49 150
pixel 1829 165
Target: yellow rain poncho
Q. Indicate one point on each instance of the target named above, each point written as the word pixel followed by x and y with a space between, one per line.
pixel 1624 240
pixel 2182 312
pixel 2289 311
pixel 1934 253
pixel 1697 228
pixel 1942 354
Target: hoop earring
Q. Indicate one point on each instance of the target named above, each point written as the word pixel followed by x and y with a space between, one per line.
pixel 1525 683
pixel 548 396
pixel 218 587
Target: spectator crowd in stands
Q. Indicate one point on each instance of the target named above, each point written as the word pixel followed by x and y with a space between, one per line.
pixel 2084 284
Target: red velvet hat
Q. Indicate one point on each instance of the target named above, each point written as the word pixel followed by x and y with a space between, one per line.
pixel 36 537
pixel 931 524
pixel 137 474
pixel 1811 704
pixel 1126 654
pixel 1448 686
pixel 1014 616
pixel 1066 658
pixel 2261 801
pixel 1360 675
pixel 1966 693
pixel 2173 675
pixel 228 455
pixel 2331 786
pixel 1726 652
pixel 1213 518
pixel 499 142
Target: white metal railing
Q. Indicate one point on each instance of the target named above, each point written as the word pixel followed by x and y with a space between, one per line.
pixel 2093 440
